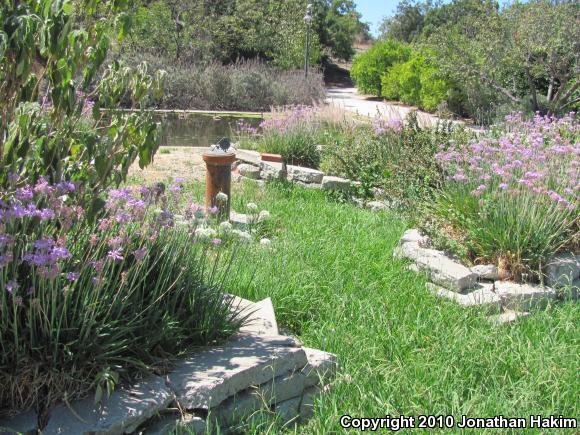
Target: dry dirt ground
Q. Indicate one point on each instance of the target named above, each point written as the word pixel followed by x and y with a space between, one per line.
pixel 170 162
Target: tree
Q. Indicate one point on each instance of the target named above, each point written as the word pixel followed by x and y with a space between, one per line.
pixel 406 24
pixel 51 124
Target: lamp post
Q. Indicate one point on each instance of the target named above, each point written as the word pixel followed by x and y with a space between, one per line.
pixel 308 20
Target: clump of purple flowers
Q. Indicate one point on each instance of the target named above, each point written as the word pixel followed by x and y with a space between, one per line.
pixel 538 156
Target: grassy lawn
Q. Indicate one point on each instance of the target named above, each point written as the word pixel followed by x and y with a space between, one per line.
pixel 335 284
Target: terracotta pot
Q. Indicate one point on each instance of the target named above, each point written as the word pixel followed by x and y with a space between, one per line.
pixel 266 157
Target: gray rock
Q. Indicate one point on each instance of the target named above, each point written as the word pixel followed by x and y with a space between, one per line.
pixel 244 404
pixel 120 413
pixel 321 367
pixel 241 178
pixel 414 236
pixel 249 171
pixel 262 319
pixel 507 317
pixel 487 272
pixel 175 422
pixel 24 423
pixel 210 376
pixel 306 175
pixel 441 269
pixel 309 185
pixel 481 296
pixel 562 270
pixel 289 410
pixel 330 182
pixel 523 297
pixel 271 171
pixel 249 156
pixel 377 205
pixel 306 410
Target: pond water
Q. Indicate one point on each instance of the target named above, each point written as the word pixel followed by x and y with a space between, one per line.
pixel 201 129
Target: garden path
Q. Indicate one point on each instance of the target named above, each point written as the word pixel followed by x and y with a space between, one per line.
pixel 348 98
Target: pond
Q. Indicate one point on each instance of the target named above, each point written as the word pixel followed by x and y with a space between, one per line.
pixel 202 129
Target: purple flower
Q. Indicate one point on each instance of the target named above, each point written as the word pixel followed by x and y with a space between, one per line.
pixel 24 193
pixel 73 276
pixel 12 286
pixel 115 254
pixel 58 253
pixel 44 244
pixel 214 210
pixel 216 242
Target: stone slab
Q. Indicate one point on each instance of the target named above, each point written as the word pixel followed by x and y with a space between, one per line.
pixel 481 296
pixel 523 297
pixel 24 423
pixel 207 378
pixel 249 156
pixel 305 175
pixel 414 236
pixel 441 269
pixel 271 171
pixel 330 182
pixel 562 270
pixel 488 272
pixel 377 205
pixel 321 366
pixel 249 171
pixel 306 410
pixel 177 423
pixel 122 412
pixel 262 320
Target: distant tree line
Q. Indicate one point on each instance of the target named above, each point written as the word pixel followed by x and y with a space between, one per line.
pixel 488 59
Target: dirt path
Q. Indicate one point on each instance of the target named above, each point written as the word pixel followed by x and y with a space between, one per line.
pixel 349 99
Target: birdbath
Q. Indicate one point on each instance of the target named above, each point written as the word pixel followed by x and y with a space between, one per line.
pixel 218 177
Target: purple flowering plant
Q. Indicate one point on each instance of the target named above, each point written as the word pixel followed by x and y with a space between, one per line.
pixel 513 194
pixel 78 297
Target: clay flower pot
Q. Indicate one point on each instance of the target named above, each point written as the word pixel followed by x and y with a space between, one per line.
pixel 267 157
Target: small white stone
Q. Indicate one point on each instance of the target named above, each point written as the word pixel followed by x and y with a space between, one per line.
pixel 306 175
pixel 377 205
pixel 330 182
pixel 249 171
pixel 523 297
pixel 562 270
pixel 507 317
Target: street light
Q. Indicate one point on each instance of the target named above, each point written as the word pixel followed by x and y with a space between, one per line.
pixel 308 20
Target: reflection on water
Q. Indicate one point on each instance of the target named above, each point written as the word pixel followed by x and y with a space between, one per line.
pixel 200 130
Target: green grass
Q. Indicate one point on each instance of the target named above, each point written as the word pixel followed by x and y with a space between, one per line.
pixel 335 284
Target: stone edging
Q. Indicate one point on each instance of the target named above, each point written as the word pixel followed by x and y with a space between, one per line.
pixel 258 369
pixel 252 168
pixel 480 286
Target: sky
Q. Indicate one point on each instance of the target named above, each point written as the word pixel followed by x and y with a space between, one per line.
pixel 373 11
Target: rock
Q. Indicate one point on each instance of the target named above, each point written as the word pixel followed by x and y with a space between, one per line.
pixel 262 319
pixel 330 182
pixel 507 317
pixel 482 296
pixel 207 378
pixel 24 423
pixel 247 402
pixel 289 410
pixel 563 270
pixel 487 272
pixel 306 175
pixel 378 192
pixel 271 171
pixel 523 297
pixel 122 412
pixel 241 178
pixel 377 205
pixel 309 185
pixel 441 269
pixel 414 236
pixel 249 171
pixel 249 156
pixel 177 423
pixel 321 367
pixel 306 410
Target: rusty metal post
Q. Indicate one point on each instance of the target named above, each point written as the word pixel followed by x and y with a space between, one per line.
pixel 218 178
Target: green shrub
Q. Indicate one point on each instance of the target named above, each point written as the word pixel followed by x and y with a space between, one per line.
pixel 368 67
pixel 417 82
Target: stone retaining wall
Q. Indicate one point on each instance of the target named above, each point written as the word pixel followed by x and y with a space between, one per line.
pixel 480 285
pixel 257 370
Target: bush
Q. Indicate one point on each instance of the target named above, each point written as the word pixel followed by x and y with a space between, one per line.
pixel 512 196
pixel 417 82
pixel 83 306
pixel 368 67
pixel 249 85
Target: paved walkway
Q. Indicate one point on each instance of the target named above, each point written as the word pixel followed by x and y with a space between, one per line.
pixel 349 99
